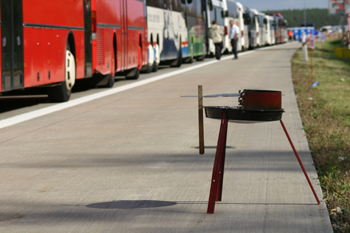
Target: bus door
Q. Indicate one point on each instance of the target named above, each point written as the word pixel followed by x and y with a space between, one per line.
pixel 12 44
pixel 88 38
pixel 124 22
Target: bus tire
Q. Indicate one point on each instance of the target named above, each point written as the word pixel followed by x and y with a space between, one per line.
pixel 191 58
pixel 200 58
pixel 62 91
pixel 155 67
pixel 157 58
pixel 148 67
pixel 178 61
pixel 110 77
pixel 110 82
pixel 134 74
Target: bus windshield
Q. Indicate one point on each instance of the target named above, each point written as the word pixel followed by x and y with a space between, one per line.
pixel 253 18
pixel 216 14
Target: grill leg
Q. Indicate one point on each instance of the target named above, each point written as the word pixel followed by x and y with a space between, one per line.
pixel 217 177
pixel 301 165
pixel 222 167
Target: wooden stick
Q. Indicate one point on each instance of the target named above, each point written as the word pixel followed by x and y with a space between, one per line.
pixel 322 55
pixel 312 75
pixel 200 120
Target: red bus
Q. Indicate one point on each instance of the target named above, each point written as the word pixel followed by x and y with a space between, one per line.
pixel 54 43
pixel 281 30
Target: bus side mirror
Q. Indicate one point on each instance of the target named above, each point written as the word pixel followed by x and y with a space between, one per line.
pixel 224 14
pixel 210 5
pixel 246 18
pixel 265 21
pixel 189 1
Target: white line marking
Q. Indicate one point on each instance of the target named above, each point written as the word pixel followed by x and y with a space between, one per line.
pixel 58 107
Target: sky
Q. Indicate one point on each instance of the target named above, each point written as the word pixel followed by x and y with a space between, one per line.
pixel 262 5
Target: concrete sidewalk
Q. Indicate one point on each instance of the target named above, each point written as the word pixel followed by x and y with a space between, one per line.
pixel 129 162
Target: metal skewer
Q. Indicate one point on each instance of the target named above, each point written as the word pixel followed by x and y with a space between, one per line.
pixel 215 95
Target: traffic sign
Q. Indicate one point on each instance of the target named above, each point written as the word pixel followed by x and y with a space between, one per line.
pixel 312 41
pixel 338 7
pixel 322 37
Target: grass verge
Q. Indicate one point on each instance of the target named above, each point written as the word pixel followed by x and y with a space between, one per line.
pixel 325 112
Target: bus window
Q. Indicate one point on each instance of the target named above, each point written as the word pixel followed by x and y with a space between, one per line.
pixel 232 9
pixel 155 3
pixel 253 20
pixel 176 6
pixel 212 15
pixel 219 19
pixel 261 20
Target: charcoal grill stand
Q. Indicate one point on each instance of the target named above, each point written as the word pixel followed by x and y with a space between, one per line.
pixel 219 164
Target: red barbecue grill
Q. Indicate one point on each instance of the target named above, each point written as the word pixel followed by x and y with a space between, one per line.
pixel 254 106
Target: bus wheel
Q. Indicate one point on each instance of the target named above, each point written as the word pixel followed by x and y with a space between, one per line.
pixel 156 58
pixel 178 61
pixel 148 68
pixel 135 73
pixel 190 59
pixel 110 77
pixel 62 91
pixel 202 57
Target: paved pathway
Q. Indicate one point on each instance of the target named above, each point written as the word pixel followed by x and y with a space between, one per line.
pixel 129 162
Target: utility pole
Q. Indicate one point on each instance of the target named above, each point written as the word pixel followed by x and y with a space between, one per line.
pixel 304 14
pixel 344 29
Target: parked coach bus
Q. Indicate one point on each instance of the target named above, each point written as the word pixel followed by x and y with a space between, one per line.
pixel 230 13
pixel 215 11
pixel 281 31
pixel 262 30
pixel 270 28
pixel 251 21
pixel 176 31
pixel 255 29
pixel 235 12
pixel 52 44
pixel 244 39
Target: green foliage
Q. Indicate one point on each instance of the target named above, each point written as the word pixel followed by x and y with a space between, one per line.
pixel 320 17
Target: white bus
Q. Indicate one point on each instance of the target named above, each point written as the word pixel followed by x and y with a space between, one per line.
pixel 231 13
pixel 176 31
pixel 244 39
pixel 215 11
pixel 270 28
pixel 263 33
pixel 254 29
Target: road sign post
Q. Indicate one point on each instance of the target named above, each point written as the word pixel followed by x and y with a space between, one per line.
pixel 312 47
pixel 322 38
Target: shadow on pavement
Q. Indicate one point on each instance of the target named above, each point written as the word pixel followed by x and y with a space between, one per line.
pixel 128 204
pixel 214 147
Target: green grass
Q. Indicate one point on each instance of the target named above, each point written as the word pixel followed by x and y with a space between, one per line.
pixel 325 112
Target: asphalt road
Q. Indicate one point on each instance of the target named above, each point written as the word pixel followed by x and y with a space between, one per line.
pixel 126 160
